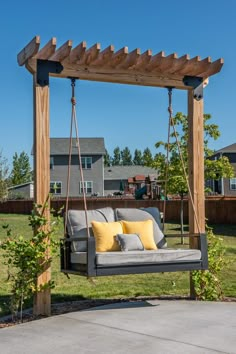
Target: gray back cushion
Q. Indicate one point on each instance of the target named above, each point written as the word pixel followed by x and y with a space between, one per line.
pixel 76 224
pixel 132 214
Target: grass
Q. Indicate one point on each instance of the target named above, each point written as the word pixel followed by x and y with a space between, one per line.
pixel 77 287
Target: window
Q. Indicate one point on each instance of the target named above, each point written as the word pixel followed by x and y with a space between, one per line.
pixel 88 185
pixel 55 187
pixel 232 184
pixel 51 163
pixel 86 162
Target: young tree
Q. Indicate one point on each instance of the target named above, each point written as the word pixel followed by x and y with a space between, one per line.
pixel 116 157
pixel 21 171
pixel 176 182
pixel 138 158
pixel 107 159
pixel 147 157
pixel 126 157
pixel 3 177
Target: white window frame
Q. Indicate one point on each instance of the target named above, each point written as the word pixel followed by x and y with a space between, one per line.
pixel 52 184
pixel 232 184
pixel 87 162
pixel 86 187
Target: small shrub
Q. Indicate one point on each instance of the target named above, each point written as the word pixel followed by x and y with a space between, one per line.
pixel 206 283
pixel 26 259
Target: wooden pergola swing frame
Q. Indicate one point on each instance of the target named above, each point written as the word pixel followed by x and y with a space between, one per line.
pixel 121 67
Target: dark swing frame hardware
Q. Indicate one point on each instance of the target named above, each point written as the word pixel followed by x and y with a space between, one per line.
pixel 44 67
pixel 197 84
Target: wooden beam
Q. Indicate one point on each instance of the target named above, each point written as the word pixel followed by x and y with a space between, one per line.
pixel 62 52
pixel 201 66
pixel 41 146
pixel 213 68
pixel 178 64
pixel 121 76
pixel 28 51
pixel 77 53
pixel 130 60
pixel 167 62
pixel 104 56
pixel 48 50
pixel 196 164
pixel 196 172
pixel 118 57
pixel 155 61
pixel 188 67
pixel 143 60
pixel 90 55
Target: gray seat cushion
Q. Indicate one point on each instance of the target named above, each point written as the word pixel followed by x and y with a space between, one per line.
pixel 132 214
pixel 76 224
pixel 138 257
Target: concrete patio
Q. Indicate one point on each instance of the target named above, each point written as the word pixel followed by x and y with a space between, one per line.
pixel 153 326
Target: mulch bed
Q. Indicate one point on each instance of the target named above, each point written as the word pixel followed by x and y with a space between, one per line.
pixel 66 307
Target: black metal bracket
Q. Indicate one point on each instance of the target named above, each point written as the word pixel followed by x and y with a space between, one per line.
pixel 197 84
pixel 44 67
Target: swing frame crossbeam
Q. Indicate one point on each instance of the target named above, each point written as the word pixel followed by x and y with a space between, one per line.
pixel 121 67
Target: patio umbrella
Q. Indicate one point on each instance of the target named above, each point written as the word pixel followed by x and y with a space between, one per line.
pixel 122 187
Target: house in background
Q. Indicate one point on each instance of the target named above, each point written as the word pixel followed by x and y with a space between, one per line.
pixel 21 191
pixel 92 152
pixel 225 186
pixel 126 179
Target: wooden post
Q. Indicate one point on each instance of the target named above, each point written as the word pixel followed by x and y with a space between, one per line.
pixel 196 170
pixel 42 300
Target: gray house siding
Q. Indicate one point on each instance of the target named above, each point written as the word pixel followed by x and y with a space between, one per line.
pixel 59 171
pixel 222 186
pixel 91 148
pixel 25 190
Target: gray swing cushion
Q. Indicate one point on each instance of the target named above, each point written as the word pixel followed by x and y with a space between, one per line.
pixel 138 257
pixel 129 242
pixel 132 214
pixel 76 224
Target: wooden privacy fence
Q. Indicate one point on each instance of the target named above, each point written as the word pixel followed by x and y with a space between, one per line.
pixel 219 210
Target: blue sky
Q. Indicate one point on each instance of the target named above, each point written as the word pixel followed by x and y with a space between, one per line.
pixel 124 115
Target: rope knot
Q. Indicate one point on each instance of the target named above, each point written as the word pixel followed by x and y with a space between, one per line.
pixel 170 110
pixel 73 101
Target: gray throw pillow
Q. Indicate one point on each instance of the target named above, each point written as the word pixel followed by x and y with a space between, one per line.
pixel 129 242
pixel 133 214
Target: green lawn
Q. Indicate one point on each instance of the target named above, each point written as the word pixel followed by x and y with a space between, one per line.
pixel 78 287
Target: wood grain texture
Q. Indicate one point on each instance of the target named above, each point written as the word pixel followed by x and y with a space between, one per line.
pixel 104 56
pixel 196 164
pixel 169 67
pixel 29 50
pixel 48 50
pixel 90 55
pixel 41 148
pixel 62 52
pixel 130 60
pixel 76 53
pixel 118 57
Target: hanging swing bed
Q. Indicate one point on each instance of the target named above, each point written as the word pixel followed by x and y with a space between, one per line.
pixel 94 239
pixel 125 68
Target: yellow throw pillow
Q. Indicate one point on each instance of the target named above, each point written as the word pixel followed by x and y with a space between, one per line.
pixel 105 235
pixel 144 229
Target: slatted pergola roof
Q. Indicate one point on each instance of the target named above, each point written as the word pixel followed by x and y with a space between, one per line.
pixel 121 66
